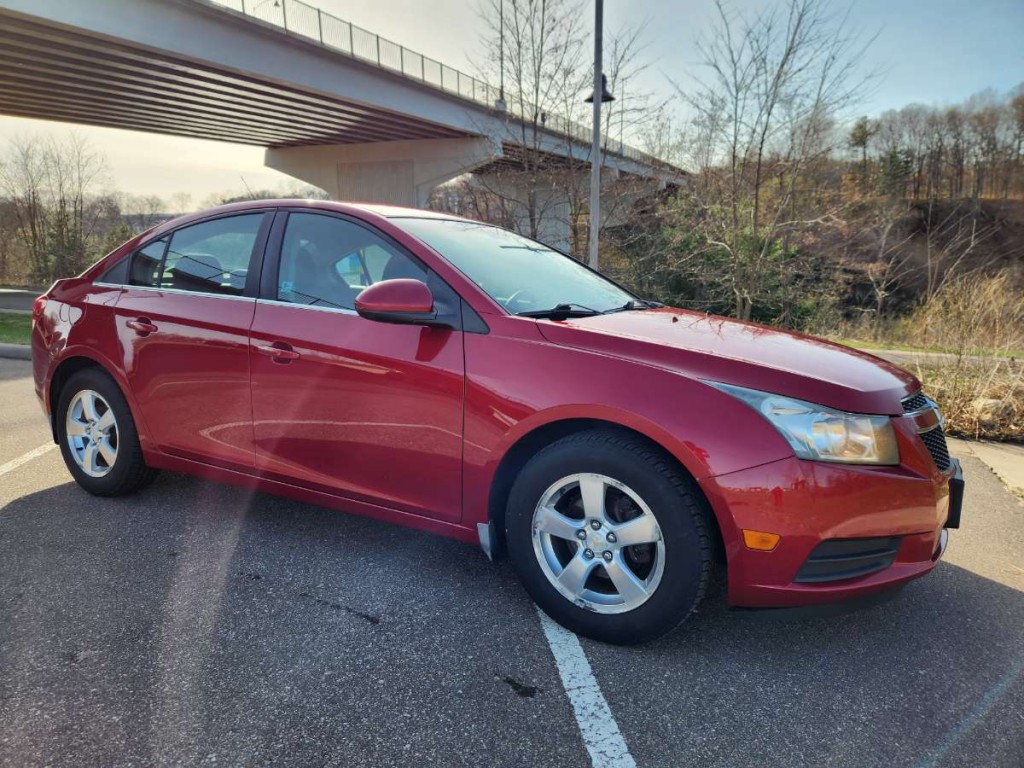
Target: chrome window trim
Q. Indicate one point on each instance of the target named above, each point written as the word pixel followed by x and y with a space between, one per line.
pixel 177 291
pixel 279 303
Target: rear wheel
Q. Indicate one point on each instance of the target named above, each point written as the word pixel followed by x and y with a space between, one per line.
pixel 609 537
pixel 97 435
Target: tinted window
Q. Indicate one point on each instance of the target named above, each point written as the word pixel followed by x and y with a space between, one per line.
pixel 326 261
pixel 145 269
pixel 522 274
pixel 209 257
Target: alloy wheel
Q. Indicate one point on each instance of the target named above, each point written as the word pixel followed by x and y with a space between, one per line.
pixel 91 429
pixel 598 543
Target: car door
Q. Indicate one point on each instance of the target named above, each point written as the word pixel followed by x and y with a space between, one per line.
pixel 183 322
pixel 363 409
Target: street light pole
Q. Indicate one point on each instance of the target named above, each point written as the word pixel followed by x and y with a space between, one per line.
pixel 595 147
pixel 501 54
pixel 622 115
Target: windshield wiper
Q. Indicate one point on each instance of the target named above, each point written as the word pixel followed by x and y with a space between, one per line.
pixel 634 304
pixel 561 312
pixel 571 309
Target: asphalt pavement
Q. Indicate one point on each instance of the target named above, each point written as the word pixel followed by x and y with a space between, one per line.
pixel 17 300
pixel 909 358
pixel 198 624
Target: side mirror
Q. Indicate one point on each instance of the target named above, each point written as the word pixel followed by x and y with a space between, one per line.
pixel 397 301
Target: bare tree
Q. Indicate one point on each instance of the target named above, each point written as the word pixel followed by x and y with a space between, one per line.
pixel 952 235
pixel 142 211
pixel 969 150
pixel 536 58
pixel 180 203
pixel 51 184
pixel 22 178
pixel 764 117
pixel 535 55
pixel 73 170
pixel 8 240
pixel 892 260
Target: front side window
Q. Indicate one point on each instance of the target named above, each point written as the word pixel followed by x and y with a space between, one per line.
pixel 209 257
pixel 521 274
pixel 327 261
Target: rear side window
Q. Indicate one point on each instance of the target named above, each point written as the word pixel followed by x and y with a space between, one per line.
pixel 146 264
pixel 209 257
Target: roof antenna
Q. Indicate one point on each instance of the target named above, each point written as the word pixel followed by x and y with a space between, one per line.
pixel 247 189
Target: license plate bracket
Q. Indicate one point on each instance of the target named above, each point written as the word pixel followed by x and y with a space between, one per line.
pixel 956 496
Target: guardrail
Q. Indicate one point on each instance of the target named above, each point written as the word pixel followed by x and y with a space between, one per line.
pixel 299 18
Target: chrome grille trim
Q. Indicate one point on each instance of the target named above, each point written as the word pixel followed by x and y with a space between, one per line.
pixel 915 402
pixel 933 437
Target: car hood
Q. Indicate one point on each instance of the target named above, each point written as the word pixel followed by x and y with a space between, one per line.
pixel 744 354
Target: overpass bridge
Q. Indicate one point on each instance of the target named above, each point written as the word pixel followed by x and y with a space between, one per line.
pixel 335 105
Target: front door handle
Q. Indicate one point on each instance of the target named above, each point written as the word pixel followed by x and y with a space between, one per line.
pixel 142 326
pixel 279 352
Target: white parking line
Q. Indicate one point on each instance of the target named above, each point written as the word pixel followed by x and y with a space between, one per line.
pixel 25 457
pixel 601 733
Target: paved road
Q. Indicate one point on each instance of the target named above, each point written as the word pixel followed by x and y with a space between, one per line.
pixel 13 300
pixel 198 624
pixel 909 358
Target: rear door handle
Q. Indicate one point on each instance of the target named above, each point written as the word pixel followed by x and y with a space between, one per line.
pixel 279 352
pixel 142 326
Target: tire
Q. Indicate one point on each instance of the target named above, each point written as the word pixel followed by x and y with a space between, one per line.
pixel 635 481
pixel 127 472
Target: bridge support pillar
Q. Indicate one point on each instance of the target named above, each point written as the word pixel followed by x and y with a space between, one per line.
pixel 554 206
pixel 539 205
pixel 394 172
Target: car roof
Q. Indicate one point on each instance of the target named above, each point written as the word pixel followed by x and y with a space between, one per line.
pixel 400 212
pixel 387 211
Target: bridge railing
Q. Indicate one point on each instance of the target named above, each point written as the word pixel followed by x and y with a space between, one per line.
pixel 299 18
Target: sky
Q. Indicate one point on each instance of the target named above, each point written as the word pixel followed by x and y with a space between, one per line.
pixel 934 52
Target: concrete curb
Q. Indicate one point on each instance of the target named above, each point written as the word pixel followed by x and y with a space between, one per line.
pixel 1005 459
pixel 16 351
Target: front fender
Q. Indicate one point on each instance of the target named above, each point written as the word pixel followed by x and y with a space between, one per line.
pixel 688 454
pixel 518 384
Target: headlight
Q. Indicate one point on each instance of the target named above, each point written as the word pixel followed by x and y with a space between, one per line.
pixel 820 433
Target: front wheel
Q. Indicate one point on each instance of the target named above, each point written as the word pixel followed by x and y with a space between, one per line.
pixel 97 435
pixel 609 537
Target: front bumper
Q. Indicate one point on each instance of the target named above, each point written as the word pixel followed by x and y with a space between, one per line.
pixel 900 514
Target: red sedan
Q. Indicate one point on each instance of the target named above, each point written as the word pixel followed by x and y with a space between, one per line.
pixel 459 378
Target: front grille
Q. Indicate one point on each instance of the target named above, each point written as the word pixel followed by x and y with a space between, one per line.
pixel 934 439
pixel 915 402
pixel 838 559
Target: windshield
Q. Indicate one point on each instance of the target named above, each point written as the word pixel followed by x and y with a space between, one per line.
pixel 521 274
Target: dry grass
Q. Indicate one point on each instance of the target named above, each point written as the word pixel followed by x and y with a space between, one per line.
pixel 958 386
pixel 979 322
pixel 974 315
